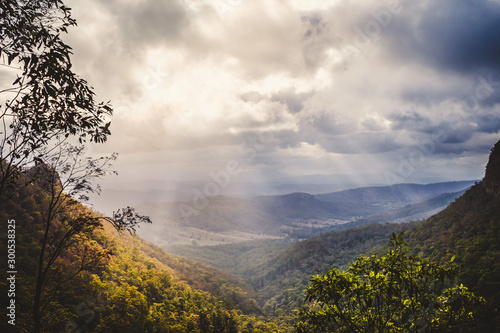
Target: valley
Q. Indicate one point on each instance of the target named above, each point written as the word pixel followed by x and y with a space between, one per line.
pixel 225 220
pixel 245 263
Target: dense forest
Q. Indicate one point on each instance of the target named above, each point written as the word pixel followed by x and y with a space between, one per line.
pixel 279 272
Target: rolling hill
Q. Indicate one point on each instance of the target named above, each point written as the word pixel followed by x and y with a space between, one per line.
pixel 267 216
pixel 221 219
pixel 395 196
pixel 467 229
pixel 413 212
pixel 279 272
pixel 137 287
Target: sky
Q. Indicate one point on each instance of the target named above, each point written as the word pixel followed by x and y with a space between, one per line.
pixel 380 92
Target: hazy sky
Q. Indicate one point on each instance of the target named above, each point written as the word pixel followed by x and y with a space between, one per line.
pixel 394 91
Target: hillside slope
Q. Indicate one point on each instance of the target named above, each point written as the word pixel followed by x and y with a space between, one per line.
pixel 132 286
pixel 470 230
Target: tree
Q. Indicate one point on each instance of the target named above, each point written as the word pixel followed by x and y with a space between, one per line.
pixel 394 293
pixel 68 178
pixel 46 104
pixel 46 99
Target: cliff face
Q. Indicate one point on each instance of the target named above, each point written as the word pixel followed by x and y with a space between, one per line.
pixel 492 176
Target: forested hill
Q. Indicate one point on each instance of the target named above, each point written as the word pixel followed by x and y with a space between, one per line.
pixel 280 272
pixel 105 281
pixel 468 229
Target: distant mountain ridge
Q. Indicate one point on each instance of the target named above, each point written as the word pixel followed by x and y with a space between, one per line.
pixel 305 205
pixel 418 211
pixel 397 195
pixel 297 215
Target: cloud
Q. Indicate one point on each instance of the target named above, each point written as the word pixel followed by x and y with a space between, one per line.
pixel 293 100
pixel 461 36
pixel 335 82
pixel 150 22
pixel 361 143
pixel 489 123
pixel 409 120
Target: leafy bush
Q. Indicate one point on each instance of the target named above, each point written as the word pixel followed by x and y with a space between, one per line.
pixel 394 293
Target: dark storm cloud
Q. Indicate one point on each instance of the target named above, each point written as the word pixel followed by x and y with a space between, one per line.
pixel 349 143
pixel 478 146
pixel 455 134
pixel 287 139
pixel 489 123
pixel 457 128
pixel 458 40
pixel 428 95
pixel 459 35
pixel 410 120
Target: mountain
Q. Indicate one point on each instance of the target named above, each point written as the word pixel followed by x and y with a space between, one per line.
pixel 468 229
pixel 491 181
pixel 307 206
pixel 222 219
pixel 133 193
pixel 395 196
pixel 413 212
pixel 225 219
pixel 101 280
pixel 137 287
